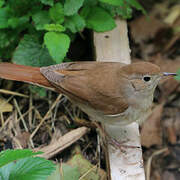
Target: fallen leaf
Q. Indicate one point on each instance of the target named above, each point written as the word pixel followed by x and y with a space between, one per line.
pixel 86 169
pixel 173 15
pixel 5 106
pixel 167 175
pixel 170 130
pixel 23 139
pixel 143 29
pixel 151 131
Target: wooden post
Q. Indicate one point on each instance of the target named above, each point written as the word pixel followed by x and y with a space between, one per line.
pixel 127 165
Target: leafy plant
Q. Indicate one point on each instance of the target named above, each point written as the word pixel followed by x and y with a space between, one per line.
pixel 39 32
pixel 21 165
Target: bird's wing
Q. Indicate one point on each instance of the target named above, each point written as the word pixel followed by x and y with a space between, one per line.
pixel 91 82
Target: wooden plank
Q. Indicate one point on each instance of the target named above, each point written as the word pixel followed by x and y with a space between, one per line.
pixel 126 165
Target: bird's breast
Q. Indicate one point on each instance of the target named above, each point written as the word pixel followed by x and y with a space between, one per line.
pixel 132 114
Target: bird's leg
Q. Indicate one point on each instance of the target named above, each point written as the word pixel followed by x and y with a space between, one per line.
pixel 112 140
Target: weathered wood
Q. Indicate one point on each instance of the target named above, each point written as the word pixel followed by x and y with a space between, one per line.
pixel 126 165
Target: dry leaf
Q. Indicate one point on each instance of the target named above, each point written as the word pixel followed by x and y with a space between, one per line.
pixel 23 139
pixel 4 106
pixel 151 132
pixel 167 175
pixel 170 130
pixel 143 29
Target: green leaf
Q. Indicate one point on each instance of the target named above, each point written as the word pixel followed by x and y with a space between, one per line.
pixel 136 5
pixel 98 19
pixel 41 92
pixel 55 175
pixel 30 52
pixel 85 12
pixel 14 22
pixel 7 38
pixel 21 7
pixel 40 19
pixel 72 6
pixel 114 2
pixel 5 171
pixel 57 13
pixel 75 23
pixel 54 27
pixel 47 2
pixel 12 155
pixel 1 3
pixel 35 168
pixel 57 44
pixel 3 18
pixel 90 2
pixel 4 41
pixel 123 11
pixel 178 75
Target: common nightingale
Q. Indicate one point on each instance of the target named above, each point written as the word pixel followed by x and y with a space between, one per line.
pixel 109 92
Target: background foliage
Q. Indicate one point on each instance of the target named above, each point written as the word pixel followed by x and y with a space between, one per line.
pixel 39 32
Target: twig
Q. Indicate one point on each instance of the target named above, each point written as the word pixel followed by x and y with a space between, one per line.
pixel 148 166
pixel 62 143
pixel 13 93
pixel 45 117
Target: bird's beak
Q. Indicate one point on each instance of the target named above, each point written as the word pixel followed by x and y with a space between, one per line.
pixel 169 74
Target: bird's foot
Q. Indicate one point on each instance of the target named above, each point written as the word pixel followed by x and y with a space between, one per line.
pixel 115 143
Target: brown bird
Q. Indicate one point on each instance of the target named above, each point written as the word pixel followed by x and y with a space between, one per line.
pixel 109 92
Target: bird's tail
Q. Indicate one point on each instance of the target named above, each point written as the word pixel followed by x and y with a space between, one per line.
pixel 23 73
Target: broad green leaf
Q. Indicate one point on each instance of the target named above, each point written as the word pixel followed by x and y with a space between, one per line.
pixel 40 19
pixel 31 168
pixel 31 52
pixel 136 5
pixel 114 2
pixel 3 18
pixel 55 175
pixel 98 19
pixel 47 2
pixel 57 13
pixel 75 23
pixel 72 6
pixel 5 171
pixel 12 155
pixel 57 44
pixel 54 27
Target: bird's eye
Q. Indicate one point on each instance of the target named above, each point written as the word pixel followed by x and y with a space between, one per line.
pixel 146 78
